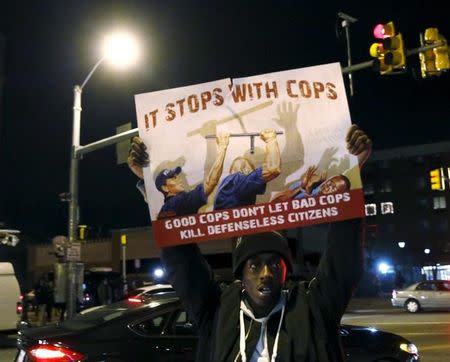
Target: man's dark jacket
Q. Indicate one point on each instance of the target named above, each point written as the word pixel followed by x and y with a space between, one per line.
pixel 310 330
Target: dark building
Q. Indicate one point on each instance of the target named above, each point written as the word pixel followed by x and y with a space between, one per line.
pixel 407 221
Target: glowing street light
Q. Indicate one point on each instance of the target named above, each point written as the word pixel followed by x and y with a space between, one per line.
pixel 383 267
pixel 119 49
pixel 401 244
pixel 427 251
pixel 158 273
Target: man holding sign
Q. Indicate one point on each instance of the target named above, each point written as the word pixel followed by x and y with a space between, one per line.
pixel 261 317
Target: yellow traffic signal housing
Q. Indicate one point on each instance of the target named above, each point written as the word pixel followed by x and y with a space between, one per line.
pixel 437 179
pixel 390 52
pixel 395 52
pixel 377 51
pixel 82 232
pixel 435 60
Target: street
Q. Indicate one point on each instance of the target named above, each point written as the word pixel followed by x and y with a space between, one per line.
pixel 429 331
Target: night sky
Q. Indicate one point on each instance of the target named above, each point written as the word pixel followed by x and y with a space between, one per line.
pixel 51 45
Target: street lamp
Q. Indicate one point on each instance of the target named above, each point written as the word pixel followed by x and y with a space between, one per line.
pixel 401 244
pixel 120 49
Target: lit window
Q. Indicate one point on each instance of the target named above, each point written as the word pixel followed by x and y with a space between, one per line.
pixel 387 208
pixel 371 209
pixel 439 203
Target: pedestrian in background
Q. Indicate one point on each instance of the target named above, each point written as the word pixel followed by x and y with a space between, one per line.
pixel 43 293
pixel 104 292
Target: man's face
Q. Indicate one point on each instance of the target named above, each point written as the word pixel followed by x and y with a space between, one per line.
pixel 241 165
pixel 173 185
pixel 334 184
pixel 263 276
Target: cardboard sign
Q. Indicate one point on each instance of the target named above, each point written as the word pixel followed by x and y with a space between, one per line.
pixel 253 154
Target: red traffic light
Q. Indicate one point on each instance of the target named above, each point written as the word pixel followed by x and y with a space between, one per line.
pixel 382 31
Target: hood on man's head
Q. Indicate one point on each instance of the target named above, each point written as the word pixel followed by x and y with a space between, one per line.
pixel 164 175
pixel 253 244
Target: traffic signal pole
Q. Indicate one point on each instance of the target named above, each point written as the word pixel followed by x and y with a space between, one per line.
pixel 370 63
pixel 347 20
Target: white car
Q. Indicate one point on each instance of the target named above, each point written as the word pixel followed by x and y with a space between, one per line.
pixel 147 291
pixel 429 294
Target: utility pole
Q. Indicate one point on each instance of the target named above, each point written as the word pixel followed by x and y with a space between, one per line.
pixel 347 20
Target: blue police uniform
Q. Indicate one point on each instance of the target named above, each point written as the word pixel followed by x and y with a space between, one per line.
pixel 238 189
pixel 183 203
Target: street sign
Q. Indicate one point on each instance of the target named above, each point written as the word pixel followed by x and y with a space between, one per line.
pixel 74 252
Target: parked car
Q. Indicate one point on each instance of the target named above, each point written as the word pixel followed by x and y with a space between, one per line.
pixel 147 291
pixel 429 294
pixel 158 329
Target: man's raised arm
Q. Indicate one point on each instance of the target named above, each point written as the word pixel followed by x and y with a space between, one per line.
pixel 215 173
pixel 341 266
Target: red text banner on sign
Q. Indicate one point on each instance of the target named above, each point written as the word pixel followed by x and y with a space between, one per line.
pixel 259 218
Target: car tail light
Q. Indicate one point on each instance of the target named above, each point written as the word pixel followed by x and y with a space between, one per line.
pixel 19 308
pixel 394 294
pixel 135 300
pixel 49 353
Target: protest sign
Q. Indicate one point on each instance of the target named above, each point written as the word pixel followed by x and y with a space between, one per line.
pixel 253 154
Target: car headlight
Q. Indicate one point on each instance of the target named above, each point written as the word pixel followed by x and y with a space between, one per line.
pixel 409 347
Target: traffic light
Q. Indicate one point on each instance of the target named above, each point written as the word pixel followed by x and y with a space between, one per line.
pixel 390 51
pixel 433 61
pixel 82 231
pixel 437 179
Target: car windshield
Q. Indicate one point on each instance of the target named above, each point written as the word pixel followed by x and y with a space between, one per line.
pixel 97 315
pixel 102 314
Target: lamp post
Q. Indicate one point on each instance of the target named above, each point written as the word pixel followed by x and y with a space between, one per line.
pixel 120 49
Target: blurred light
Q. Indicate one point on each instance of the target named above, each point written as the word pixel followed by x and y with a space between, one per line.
pixel 158 273
pixel 121 49
pixel 383 267
pixel 427 251
pixel 409 347
pixel 48 353
pixel 372 329
pixel 135 300
pixel 401 244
